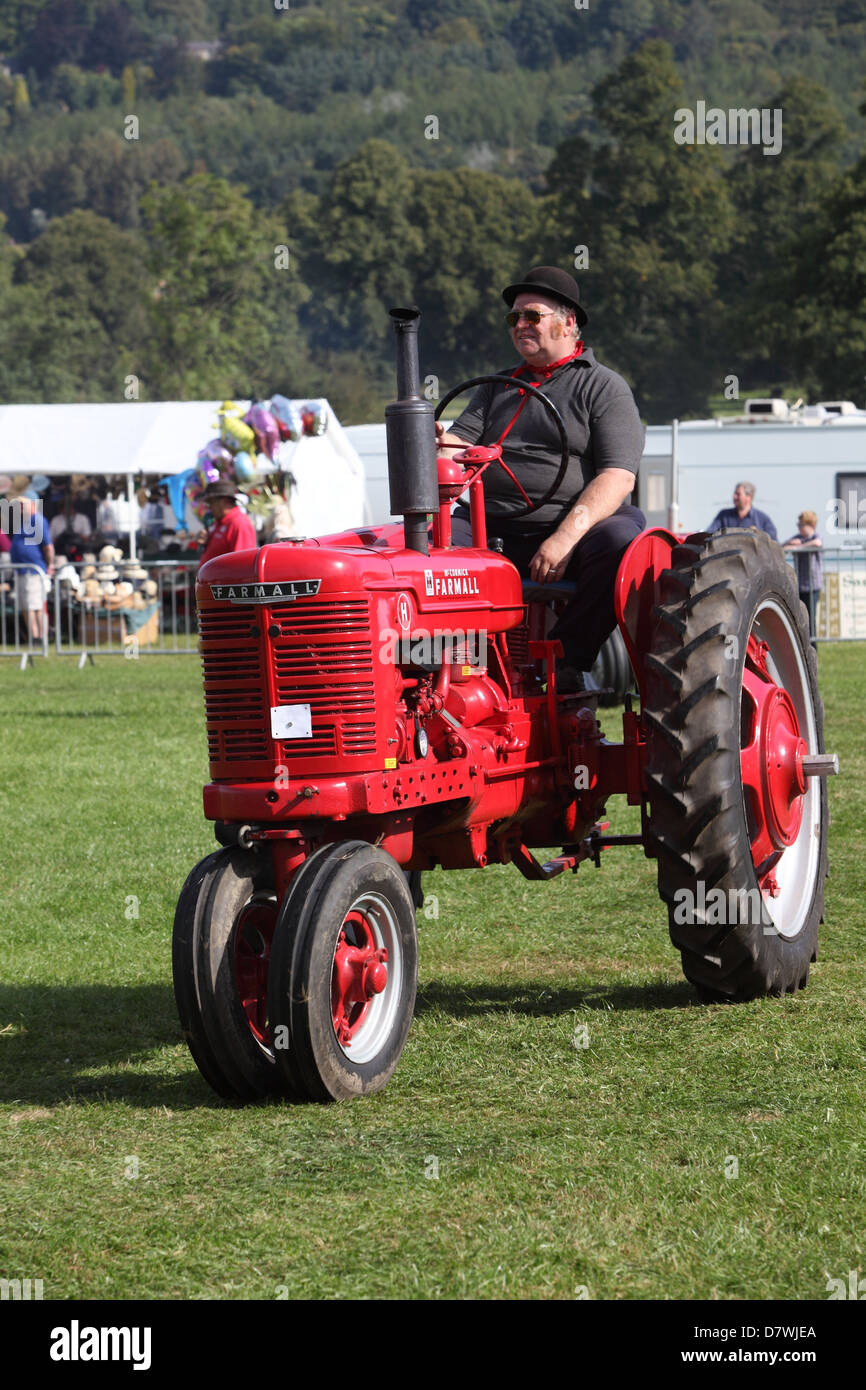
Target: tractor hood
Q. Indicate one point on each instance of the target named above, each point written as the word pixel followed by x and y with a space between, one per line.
pixel 479 588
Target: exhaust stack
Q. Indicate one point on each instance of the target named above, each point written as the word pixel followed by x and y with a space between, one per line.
pixel 411 438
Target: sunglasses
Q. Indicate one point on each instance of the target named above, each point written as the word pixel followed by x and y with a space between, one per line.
pixel 531 316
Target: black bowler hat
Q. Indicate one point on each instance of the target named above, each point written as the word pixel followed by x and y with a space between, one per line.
pixel 221 488
pixel 553 281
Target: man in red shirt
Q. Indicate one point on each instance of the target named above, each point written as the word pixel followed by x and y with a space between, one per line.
pixel 232 528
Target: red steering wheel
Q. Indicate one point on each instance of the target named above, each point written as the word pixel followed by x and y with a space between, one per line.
pixel 484 455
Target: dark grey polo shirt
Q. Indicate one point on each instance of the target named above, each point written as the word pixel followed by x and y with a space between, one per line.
pixel 603 427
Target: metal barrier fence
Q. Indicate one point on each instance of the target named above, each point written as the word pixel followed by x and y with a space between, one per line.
pixel 155 615
pixel 841 615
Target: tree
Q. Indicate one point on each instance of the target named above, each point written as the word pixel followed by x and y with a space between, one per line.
pixel 655 216
pixel 826 305
pixel 476 231
pixel 223 317
pixel 356 244
pixel 776 198
pixel 75 313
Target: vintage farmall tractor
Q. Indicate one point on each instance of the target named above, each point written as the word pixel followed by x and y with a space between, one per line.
pixel 378 705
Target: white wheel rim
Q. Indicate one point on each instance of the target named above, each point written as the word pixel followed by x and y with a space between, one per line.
pixel 797 869
pixel 373 1033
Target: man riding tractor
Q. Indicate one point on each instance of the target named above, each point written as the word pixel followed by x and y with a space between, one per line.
pixel 582 532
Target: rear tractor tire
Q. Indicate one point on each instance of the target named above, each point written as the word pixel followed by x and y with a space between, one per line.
pixel 738 825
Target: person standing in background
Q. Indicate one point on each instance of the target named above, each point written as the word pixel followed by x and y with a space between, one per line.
pixel 810 579
pixel 232 528
pixel 742 514
pixel 31 548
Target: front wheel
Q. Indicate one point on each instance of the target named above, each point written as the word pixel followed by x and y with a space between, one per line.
pixel 344 967
pixel 738 818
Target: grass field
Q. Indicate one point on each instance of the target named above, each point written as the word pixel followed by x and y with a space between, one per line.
pixel 502 1159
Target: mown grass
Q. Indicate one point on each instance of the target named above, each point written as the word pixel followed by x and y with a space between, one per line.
pixel 559 1166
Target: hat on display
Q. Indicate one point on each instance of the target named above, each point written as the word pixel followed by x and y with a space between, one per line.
pixel 549 280
pixel 109 553
pixel 132 570
pixel 67 574
pixel 92 590
pixel 149 588
pixel 107 572
pixel 125 588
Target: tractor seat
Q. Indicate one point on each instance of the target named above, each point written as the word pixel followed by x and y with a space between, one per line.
pixel 547 593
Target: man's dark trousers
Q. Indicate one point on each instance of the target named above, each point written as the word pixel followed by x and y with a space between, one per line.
pixel 589 616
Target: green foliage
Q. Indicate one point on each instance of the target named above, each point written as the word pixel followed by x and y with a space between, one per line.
pixel 355 245
pixel 654 217
pixel 73 313
pixel 20 98
pixel 776 198
pixel 825 313
pixel 696 254
pixel 222 320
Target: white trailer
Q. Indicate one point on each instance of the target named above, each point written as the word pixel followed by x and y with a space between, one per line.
pixel 794 464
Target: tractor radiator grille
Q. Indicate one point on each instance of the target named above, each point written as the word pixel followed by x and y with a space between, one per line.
pixel 234 689
pixel 323 657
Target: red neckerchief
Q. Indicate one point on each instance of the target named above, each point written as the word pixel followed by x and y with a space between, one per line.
pixel 554 366
pixel 546 372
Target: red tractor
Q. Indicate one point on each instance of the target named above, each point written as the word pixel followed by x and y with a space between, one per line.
pixel 378 705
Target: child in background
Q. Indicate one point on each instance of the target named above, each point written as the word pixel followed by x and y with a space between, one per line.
pixel 809 574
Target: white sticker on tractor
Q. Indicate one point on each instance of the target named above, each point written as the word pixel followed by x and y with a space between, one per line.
pixel 291 721
pixel 404 612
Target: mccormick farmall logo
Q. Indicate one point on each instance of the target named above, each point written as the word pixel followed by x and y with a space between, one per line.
pixel 286 592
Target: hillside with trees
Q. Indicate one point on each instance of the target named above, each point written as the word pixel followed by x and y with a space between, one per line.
pixel 224 197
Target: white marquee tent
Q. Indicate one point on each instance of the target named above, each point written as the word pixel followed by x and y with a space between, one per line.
pixel 156 439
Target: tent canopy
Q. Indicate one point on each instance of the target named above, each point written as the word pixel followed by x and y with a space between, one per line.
pixel 128 437
pixel 165 437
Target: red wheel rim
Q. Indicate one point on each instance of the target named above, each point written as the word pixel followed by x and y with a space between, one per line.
pixel 359 973
pixel 253 937
pixel 771 761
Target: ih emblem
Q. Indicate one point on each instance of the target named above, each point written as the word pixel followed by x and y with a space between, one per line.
pixel 404 612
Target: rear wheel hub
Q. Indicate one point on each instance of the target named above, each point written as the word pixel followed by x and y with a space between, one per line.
pixel 771 760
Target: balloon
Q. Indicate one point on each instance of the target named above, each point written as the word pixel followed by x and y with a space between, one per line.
pixel 315 417
pixel 265 426
pixel 244 467
pixel 207 473
pixel 176 485
pixel 40 482
pixel 215 452
pixel 234 433
pixel 288 418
